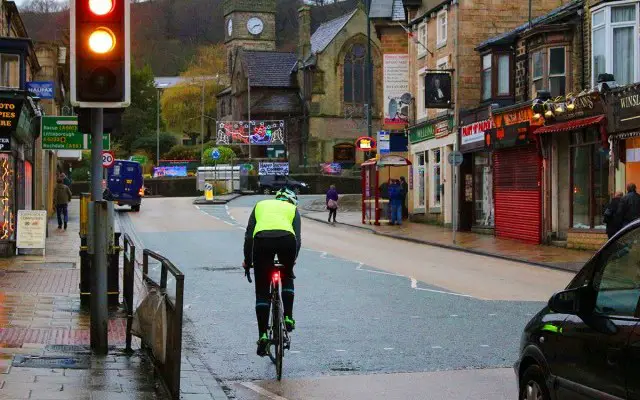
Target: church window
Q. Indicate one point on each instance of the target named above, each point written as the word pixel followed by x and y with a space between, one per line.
pixel 354 75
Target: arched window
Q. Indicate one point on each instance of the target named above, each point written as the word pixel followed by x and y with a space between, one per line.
pixel 354 74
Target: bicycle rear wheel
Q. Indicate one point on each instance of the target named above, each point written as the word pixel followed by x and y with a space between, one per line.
pixel 278 333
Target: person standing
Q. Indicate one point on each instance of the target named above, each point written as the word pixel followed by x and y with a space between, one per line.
pixel 629 207
pixel 332 202
pixel 610 215
pixel 62 197
pixel 395 198
pixel 405 191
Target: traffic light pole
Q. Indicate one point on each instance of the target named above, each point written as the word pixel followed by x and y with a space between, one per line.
pixel 99 305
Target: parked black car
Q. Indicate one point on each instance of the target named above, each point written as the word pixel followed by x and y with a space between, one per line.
pixel 586 343
pixel 272 183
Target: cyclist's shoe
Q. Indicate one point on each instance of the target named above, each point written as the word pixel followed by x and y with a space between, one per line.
pixel 263 345
pixel 289 323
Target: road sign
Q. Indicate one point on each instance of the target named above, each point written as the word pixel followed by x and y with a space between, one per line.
pixel 215 153
pixel 108 158
pixel 61 133
pixel 455 158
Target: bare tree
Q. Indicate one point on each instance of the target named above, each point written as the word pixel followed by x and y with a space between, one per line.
pixel 45 6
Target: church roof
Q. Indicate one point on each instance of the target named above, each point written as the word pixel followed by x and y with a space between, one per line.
pixel 393 9
pixel 270 68
pixel 327 31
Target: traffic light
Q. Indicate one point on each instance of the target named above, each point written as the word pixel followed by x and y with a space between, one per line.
pixel 100 53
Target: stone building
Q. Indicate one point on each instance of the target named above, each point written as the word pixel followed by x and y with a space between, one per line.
pixel 444 37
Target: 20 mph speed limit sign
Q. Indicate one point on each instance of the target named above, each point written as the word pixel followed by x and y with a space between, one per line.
pixel 108 158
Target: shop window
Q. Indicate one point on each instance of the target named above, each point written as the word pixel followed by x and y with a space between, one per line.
pixel 422 40
pixel 442 28
pixel 589 178
pixel 10 70
pixel 483 190
pixel 614 42
pixel 436 179
pixel 354 75
pixel 420 199
pixel 549 70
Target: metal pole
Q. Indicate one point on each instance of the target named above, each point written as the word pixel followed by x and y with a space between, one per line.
pixel 99 307
pixel 202 126
pixel 249 112
pixel 454 195
pixel 369 73
pixel 158 129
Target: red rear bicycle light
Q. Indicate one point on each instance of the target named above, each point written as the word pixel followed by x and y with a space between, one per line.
pixel 276 276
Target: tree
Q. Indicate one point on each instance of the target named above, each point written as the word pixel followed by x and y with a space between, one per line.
pixel 182 104
pixel 149 144
pixel 139 118
pixel 226 155
pixel 181 152
pixel 44 6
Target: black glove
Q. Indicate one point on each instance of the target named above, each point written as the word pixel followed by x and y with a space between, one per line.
pixel 247 271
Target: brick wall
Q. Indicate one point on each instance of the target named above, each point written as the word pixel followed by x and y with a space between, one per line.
pixel 521 76
pixel 586 240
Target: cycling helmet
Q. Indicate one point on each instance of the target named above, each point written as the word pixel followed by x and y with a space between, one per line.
pixel 285 194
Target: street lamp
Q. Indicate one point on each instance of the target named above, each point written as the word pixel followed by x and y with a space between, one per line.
pixel 159 88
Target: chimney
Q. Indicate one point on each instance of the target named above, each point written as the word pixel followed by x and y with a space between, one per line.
pixel 304 32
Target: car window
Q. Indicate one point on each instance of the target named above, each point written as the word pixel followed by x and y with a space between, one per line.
pixel 116 170
pixel 617 283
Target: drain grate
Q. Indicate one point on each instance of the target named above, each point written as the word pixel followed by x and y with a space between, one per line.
pixel 78 362
pixel 49 265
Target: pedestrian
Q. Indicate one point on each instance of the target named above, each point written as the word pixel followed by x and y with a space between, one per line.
pixel 62 197
pixel 610 215
pixel 332 202
pixel 405 191
pixel 395 198
pixel 629 207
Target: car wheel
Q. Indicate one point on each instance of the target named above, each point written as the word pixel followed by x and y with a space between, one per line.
pixel 135 208
pixel 266 191
pixel 533 385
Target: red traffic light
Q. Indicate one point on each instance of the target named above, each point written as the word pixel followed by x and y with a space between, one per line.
pixel 101 7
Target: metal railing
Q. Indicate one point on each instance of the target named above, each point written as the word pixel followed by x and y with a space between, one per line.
pixel 128 279
pixel 170 368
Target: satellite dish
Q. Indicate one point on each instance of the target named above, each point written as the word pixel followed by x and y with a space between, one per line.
pixel 406 98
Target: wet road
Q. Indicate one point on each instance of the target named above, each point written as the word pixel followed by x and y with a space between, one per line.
pixel 436 323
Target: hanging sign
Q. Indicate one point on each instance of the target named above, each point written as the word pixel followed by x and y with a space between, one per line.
pixel 365 143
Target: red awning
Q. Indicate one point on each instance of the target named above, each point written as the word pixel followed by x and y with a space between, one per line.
pixel 570 125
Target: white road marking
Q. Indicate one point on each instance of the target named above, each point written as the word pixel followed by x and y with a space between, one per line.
pixel 262 392
pixel 414 285
pixel 436 347
pixel 492 315
pixel 484 345
pixel 388 348
pixel 323 255
pixel 241 228
pixel 453 315
pixel 242 354
pixel 228 223
pixel 359 268
pixel 340 350
pixel 415 316
pixel 294 351
pixel 198 207
pixel 333 320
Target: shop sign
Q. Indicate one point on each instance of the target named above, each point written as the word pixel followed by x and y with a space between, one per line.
pixel 10 110
pixel 61 133
pixel 430 131
pixel 365 143
pixel 508 136
pixel 442 129
pixel 587 105
pixel 624 109
pixel 42 89
pixel 474 132
pixel 396 89
pixel 513 117
pixel 5 142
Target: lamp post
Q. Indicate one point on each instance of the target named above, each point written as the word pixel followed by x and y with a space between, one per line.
pixel 159 88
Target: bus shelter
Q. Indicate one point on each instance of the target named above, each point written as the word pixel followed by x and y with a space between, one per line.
pixel 374 206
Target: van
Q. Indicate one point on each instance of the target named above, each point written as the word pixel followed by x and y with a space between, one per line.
pixel 125 184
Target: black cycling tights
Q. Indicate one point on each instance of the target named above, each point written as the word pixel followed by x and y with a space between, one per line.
pixel 264 251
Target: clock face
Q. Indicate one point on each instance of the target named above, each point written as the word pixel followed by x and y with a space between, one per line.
pixel 229 27
pixel 255 26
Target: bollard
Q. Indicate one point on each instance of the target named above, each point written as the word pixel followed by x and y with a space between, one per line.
pixel 85 274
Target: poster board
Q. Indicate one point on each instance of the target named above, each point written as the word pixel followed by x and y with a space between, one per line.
pixel 32 229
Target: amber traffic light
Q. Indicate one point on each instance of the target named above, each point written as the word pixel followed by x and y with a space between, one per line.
pixel 100 74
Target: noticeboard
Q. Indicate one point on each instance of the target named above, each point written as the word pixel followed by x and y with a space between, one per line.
pixel 32 229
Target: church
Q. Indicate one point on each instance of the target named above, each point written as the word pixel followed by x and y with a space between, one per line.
pixel 306 106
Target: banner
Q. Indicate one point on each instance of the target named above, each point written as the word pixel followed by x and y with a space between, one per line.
pixel 273 168
pixel 174 170
pixel 42 89
pixel 260 133
pixel 331 168
pixel 396 89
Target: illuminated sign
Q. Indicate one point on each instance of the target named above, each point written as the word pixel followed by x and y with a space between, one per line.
pixel 365 143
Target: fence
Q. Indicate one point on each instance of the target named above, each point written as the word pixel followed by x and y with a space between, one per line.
pixel 169 365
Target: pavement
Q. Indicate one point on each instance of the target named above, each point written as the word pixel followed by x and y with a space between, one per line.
pixel 486 245
pixel 376 317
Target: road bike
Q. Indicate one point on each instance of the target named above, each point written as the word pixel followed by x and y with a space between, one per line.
pixel 278 336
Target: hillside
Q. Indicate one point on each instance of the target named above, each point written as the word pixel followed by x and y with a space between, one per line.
pixel 166 33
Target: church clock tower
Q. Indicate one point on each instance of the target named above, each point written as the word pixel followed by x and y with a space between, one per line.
pixel 250 25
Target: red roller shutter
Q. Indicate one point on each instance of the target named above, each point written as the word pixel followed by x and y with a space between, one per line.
pixel 517 195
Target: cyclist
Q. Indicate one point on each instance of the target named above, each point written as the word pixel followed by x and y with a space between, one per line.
pixel 273 230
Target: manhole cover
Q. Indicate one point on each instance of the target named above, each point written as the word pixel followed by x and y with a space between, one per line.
pixel 58 265
pixel 79 362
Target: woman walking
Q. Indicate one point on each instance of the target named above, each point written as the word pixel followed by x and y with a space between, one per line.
pixel 332 202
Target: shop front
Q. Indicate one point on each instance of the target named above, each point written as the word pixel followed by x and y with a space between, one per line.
pixel 17 138
pixel 574 145
pixel 430 195
pixel 623 118
pixel 517 171
pixel 476 177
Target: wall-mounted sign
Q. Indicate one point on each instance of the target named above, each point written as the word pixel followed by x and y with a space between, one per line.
pixel 431 130
pixel 624 109
pixel 437 90
pixel 384 142
pixel 474 132
pixel 442 129
pixel 10 110
pixel 586 105
pixel 273 168
pixel 396 89
pixel 365 143
pixel 42 89
pixel 5 142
